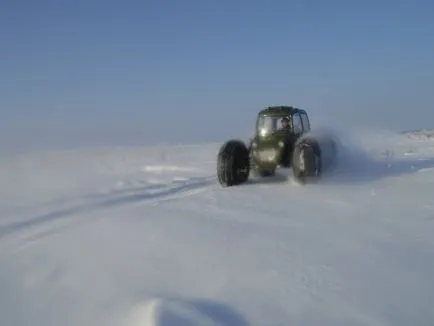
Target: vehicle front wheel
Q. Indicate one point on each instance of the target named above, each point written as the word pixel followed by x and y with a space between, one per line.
pixel 233 164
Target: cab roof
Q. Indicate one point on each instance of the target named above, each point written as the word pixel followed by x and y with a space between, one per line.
pixel 280 110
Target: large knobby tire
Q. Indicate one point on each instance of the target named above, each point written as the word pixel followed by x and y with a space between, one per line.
pixel 233 164
pixel 306 162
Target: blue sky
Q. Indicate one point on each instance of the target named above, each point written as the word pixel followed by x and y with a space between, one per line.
pixel 185 70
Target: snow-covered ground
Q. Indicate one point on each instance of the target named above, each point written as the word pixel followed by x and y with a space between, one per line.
pixel 146 236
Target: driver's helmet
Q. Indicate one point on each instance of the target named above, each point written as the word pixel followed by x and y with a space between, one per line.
pixel 285 121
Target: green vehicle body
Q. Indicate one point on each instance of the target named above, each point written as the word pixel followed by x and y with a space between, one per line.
pixel 272 146
pixel 309 154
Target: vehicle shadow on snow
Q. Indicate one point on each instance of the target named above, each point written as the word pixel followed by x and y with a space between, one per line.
pixel 359 167
pixel 279 177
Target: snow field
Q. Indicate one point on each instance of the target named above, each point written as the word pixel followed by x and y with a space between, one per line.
pixel 146 236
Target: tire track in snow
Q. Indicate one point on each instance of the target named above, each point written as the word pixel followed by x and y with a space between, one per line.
pixel 148 194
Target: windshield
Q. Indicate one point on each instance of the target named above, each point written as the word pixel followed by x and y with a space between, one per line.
pixel 268 124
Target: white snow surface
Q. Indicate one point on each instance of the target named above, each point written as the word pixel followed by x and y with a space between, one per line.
pixel 146 236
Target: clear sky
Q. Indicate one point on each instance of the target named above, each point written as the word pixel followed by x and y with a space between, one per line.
pixel 172 70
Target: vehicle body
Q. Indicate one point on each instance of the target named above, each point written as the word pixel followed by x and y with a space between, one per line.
pixel 273 146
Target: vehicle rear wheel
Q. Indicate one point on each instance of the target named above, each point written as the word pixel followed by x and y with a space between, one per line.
pixel 306 162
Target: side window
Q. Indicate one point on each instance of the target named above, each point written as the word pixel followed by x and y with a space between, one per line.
pixel 297 124
pixel 306 123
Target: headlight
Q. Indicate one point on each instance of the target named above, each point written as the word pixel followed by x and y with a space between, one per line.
pixel 268 154
pixel 281 144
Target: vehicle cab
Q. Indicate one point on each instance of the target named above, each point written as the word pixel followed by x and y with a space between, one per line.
pixel 270 121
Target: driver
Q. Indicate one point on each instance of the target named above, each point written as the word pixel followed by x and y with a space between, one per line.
pixel 285 123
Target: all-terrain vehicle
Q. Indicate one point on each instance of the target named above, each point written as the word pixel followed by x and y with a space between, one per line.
pixel 282 139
